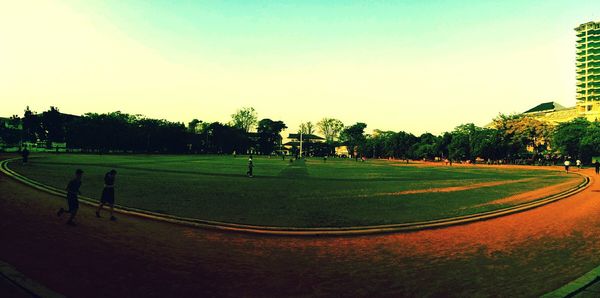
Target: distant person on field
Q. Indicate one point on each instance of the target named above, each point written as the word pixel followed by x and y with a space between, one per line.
pixel 72 201
pixel 597 166
pixel 25 155
pixel 325 158
pixel 578 163
pixel 567 164
pixel 108 194
pixel 250 167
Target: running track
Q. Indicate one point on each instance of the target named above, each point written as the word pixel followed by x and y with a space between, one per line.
pixel 525 254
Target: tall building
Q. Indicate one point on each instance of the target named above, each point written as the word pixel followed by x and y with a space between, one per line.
pixel 588 68
pixel 588 81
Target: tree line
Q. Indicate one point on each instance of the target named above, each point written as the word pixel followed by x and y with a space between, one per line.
pixel 510 138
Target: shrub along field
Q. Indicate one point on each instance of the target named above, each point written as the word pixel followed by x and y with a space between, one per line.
pixel 303 193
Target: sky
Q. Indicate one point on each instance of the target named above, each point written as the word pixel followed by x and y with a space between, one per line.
pixel 417 66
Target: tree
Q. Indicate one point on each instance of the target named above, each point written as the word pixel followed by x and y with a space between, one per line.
pixel 590 143
pixel 425 147
pixel 223 138
pixel 486 143
pixel 353 137
pixel 401 143
pixel 269 135
pixel 568 136
pixel 330 128
pixel 244 118
pixel 306 128
pixel 461 146
pixel 53 124
pixel 32 127
pixel 521 132
pixel 194 125
pixel 443 143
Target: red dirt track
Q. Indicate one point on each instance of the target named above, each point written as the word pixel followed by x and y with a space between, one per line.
pixel 524 254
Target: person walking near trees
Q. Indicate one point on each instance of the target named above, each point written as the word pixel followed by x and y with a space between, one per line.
pixel 108 194
pixel 567 164
pixel 597 166
pixel 250 167
pixel 72 201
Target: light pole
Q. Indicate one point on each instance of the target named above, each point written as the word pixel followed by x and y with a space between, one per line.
pixel 300 143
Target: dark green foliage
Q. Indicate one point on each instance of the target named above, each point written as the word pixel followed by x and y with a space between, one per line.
pixel 269 135
pixel 354 137
pixel 569 135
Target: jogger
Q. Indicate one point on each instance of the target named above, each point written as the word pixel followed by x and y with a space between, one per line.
pixel 72 200
pixel 108 194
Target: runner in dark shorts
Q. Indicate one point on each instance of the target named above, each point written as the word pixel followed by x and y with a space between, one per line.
pixel 108 194
pixel 25 155
pixel 72 201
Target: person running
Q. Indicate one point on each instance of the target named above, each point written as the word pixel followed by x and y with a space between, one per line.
pixel 72 201
pixel 108 194
pixel 25 155
pixel 250 167
pixel 567 164
pixel 578 163
pixel 597 166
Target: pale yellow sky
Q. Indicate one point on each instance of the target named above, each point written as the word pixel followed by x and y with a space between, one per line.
pixel 464 66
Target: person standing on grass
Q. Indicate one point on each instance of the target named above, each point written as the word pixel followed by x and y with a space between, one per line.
pixel 108 194
pixel 25 155
pixel 250 167
pixel 597 166
pixel 567 164
pixel 72 201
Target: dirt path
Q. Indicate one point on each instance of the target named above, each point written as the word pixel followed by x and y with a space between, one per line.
pixel 524 254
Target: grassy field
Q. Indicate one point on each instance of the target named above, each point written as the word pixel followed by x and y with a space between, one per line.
pixel 307 193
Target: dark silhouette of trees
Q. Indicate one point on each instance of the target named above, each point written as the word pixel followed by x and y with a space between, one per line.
pixel 269 135
pixel 53 124
pixel 511 138
pixel 224 139
pixel 354 137
pixel 32 127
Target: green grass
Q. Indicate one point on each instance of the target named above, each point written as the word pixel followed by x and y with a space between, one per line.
pixel 299 194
